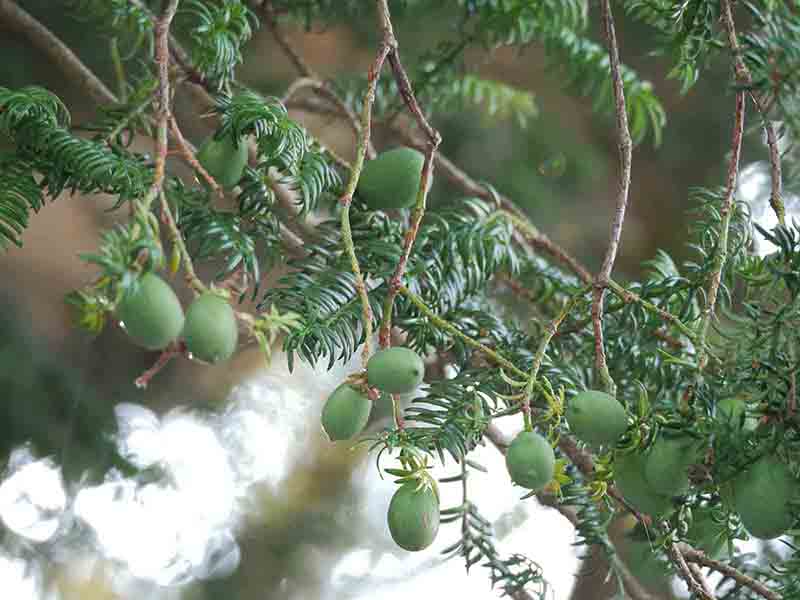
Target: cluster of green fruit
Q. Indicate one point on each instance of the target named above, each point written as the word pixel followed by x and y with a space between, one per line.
pixel 413 513
pixel 760 494
pixel 153 318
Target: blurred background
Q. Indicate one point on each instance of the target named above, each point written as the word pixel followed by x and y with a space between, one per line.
pixel 238 495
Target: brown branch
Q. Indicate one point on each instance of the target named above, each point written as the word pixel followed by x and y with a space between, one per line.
pixel 321 88
pixel 695 556
pixel 744 79
pixel 188 153
pixel 625 145
pixel 434 139
pixel 171 351
pixel 43 39
pixel 632 585
pixel 726 211
pixel 469 186
pixel 697 588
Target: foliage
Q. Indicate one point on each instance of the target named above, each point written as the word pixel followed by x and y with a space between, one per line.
pixel 482 293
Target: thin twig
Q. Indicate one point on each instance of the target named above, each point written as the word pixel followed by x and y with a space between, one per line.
pixel 697 573
pixel 347 197
pixel 531 234
pixel 744 79
pixel 434 139
pixel 321 88
pixel 726 211
pixel 196 285
pixel 695 556
pixel 625 145
pixel 696 588
pixel 171 351
pixel 632 585
pixel 455 331
pixel 43 39
pixel 189 156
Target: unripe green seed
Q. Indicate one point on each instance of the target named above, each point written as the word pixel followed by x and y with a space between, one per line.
pixel 345 413
pixel 761 497
pixel 395 370
pixel 210 331
pixel 223 160
pixel 414 517
pixel 392 179
pixel 596 418
pixel 630 481
pixel 530 461
pixel 706 534
pixel 151 313
pixel 733 410
pixel 667 464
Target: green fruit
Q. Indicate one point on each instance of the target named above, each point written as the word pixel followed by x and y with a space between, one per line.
pixel 645 564
pixel 630 481
pixel 151 313
pixel 761 497
pixel 706 534
pixel 596 418
pixel 733 411
pixel 414 516
pixel 223 160
pixel 530 461
pixel 345 413
pixel 210 331
pixel 392 179
pixel 395 370
pixel 667 463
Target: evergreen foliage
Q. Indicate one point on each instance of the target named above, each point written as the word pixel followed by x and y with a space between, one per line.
pixel 466 259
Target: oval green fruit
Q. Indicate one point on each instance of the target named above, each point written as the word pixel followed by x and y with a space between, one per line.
pixel 761 497
pixel 414 517
pixel 733 410
pixel 667 463
pixel 345 413
pixel 530 461
pixel 630 481
pixel 392 179
pixel 395 370
pixel 596 418
pixel 210 330
pixel 223 159
pixel 645 564
pixel 151 313
pixel 706 534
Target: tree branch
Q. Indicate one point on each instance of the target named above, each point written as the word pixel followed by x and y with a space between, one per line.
pixel 625 145
pixel 434 139
pixel 43 39
pixel 744 79
pixel 695 556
